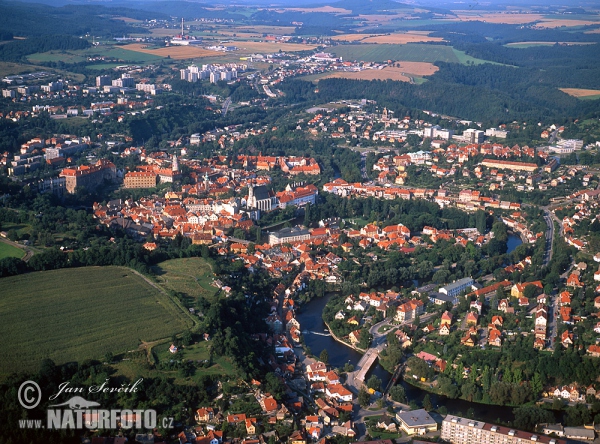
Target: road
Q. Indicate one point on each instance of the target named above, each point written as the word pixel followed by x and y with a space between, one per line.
pixel 549 219
pixel 226 106
pixel 355 379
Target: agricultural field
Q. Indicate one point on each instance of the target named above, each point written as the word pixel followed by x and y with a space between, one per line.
pixel 559 21
pixel 108 51
pixel 404 73
pixel 582 93
pixel 522 45
pixel 407 53
pixel 190 276
pixel 76 314
pixel 270 47
pixel 7 250
pixel 324 9
pixel 174 52
pixel 394 38
pixel 498 17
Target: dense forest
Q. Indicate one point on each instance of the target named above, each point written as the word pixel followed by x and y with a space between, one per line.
pixel 32 19
pixel 16 50
pixel 464 92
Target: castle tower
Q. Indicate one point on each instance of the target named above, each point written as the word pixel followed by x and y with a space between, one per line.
pixel 206 182
pixel 175 164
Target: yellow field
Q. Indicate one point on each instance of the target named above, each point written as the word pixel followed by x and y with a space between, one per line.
pixel 577 92
pixel 593 31
pixel 403 74
pixel 327 9
pixel 263 29
pixel 127 19
pixel 175 52
pixel 396 38
pixel 250 47
pixel 510 19
pixel 549 43
pixel 402 39
pixel 557 23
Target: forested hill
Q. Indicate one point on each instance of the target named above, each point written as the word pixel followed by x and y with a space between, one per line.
pixel 496 102
pixel 32 19
pixel 17 50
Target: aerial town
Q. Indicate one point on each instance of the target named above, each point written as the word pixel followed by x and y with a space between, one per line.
pixel 283 244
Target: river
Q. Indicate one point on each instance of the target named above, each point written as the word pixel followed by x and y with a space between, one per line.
pixel 315 337
pixel 513 242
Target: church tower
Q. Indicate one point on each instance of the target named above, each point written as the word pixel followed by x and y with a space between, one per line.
pixel 251 202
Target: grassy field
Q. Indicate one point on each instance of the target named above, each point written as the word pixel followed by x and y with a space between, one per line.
pixel 189 276
pixel 111 51
pixel 75 314
pixel 56 56
pixel 408 53
pixel 7 250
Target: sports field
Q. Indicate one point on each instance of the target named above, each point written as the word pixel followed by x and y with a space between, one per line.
pixel 7 250
pixel 80 313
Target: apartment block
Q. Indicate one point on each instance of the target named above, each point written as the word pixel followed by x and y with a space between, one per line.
pixel 457 430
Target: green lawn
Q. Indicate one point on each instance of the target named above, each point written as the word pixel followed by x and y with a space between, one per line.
pixel 7 250
pixel 190 276
pixel 76 314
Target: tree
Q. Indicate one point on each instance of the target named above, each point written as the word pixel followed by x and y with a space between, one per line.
pixel 187 337
pixel 374 382
pixel 274 386
pixel 398 394
pixel 527 417
pixel 307 215
pixel 324 356
pixel 537 385
pixel 427 405
pixel 364 398
pixel 258 235
pixel 12 235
